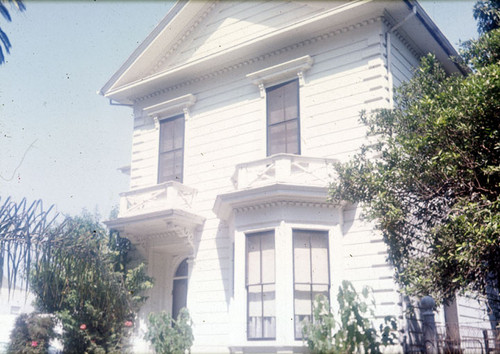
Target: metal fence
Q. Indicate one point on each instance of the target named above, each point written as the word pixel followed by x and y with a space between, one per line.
pixel 471 340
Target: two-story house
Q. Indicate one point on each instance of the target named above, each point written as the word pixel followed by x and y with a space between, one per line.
pixel 240 109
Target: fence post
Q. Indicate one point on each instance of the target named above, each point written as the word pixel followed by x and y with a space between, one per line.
pixel 427 305
pixel 486 341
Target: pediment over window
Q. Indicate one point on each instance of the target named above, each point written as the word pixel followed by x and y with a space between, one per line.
pixel 282 72
pixel 171 107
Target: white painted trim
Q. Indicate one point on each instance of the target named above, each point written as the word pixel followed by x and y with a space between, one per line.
pixel 171 107
pixel 281 72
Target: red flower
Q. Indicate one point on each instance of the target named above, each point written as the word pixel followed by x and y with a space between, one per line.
pixel 34 343
pixel 83 326
pixel 128 324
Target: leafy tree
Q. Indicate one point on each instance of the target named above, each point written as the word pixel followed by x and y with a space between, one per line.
pixel 168 335
pixel 18 4
pixel 487 14
pixel 431 176
pixel 82 278
pixel 353 332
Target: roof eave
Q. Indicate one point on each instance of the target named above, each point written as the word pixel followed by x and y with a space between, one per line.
pixel 174 10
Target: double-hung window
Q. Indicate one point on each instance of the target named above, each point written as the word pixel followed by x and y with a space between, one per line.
pixel 311 273
pixel 283 118
pixel 260 284
pixel 171 154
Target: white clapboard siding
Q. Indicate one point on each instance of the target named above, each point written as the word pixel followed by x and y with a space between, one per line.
pixel 234 23
pixel 227 126
pixel 473 311
pixel 403 61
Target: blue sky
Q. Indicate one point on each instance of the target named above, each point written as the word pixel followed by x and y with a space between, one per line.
pixel 59 140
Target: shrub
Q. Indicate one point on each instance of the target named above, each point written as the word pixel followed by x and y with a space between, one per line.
pixel 84 279
pixel 170 336
pixel 31 334
pixel 353 332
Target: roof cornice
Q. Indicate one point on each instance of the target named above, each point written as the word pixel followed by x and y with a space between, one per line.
pixel 252 60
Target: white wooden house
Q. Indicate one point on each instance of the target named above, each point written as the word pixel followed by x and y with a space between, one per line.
pixel 240 109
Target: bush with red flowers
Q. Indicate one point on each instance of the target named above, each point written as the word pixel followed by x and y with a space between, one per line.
pixel 87 283
pixel 31 334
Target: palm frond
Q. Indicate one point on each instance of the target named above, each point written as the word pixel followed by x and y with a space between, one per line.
pixel 5 12
pixel 5 41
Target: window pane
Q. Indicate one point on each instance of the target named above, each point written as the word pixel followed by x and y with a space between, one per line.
pixel 255 301
pixel 182 269
pixel 179 295
pixel 301 257
pixel 275 105
pixel 290 100
pixel 166 136
pixel 302 298
pixel 319 290
pixel 268 298
pixel 267 245
pixel 292 137
pixel 269 315
pixel 253 259
pixel 166 167
pixel 178 133
pixel 302 305
pixel 178 165
pixel 277 139
pixel 254 311
pixel 319 256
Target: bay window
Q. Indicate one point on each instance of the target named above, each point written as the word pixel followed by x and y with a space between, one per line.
pixel 311 273
pixel 260 284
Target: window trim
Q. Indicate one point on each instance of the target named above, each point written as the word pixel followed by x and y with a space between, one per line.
pixel 160 153
pixel 327 236
pixel 268 125
pixel 281 73
pixel 247 235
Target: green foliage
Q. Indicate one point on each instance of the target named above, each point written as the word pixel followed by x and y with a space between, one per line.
pixel 487 15
pixel 31 334
pixel 353 331
pixel 170 336
pixel 82 278
pixel 431 176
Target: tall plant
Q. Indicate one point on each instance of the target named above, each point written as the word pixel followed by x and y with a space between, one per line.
pixel 80 278
pixel 169 335
pixel 351 331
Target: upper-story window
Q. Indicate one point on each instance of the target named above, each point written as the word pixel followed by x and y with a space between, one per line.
pixel 171 154
pixel 283 131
